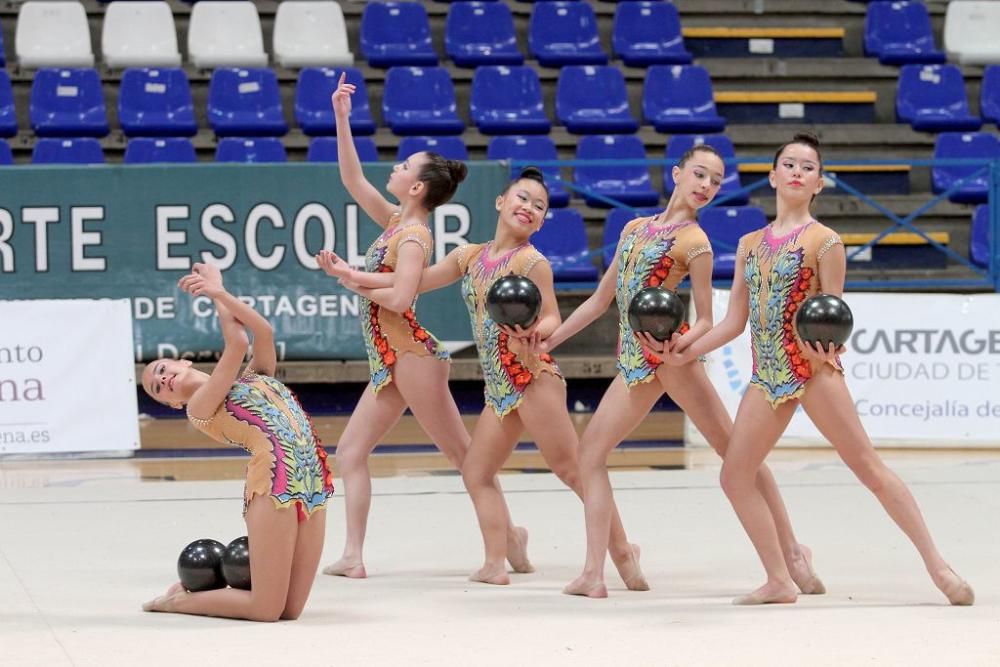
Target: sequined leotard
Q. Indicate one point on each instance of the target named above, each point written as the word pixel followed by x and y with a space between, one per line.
pixel 287 460
pixel 389 334
pixel 650 256
pixel 507 370
pixel 781 273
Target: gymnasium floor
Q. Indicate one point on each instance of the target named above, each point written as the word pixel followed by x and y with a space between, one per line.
pixel 84 542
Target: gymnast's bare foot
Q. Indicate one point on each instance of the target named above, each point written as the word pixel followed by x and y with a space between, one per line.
pixel 957 590
pixel 352 569
pixel 587 586
pixel 491 574
pixel 163 602
pixel 770 593
pixel 630 571
pixel 517 552
pixel 803 574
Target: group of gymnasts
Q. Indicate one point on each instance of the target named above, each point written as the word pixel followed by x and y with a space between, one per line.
pixel 777 267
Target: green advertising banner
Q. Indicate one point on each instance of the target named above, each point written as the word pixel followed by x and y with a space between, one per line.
pixel 131 232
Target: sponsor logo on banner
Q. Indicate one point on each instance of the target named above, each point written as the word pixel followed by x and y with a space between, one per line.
pixel 67 379
pixel 923 370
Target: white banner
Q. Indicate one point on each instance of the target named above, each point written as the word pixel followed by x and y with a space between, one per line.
pixel 923 369
pixel 67 376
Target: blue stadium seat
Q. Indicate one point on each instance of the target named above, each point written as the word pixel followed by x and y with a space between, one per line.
pixel 613 226
pixel 592 99
pixel 143 150
pixel 68 103
pixel 6 157
pixel 245 102
pixel 452 148
pixel 979 241
pixel 629 184
pixel 563 241
pixel 989 95
pixel 724 226
pixel 8 114
pixel 79 150
pixel 250 149
pixel 324 149
pixel 313 111
pixel 155 102
pixel 565 33
pixel 478 33
pixel 961 145
pixel 931 98
pixel 396 33
pixel 420 100
pixel 507 100
pixel 681 143
pixel 900 32
pixel 648 33
pixel 532 148
pixel 679 98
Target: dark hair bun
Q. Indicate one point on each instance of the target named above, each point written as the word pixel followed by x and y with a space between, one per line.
pixel 457 170
pixel 532 174
pixel 807 138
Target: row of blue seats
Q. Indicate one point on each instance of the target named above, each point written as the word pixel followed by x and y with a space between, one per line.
pixel 603 180
pixel 559 33
pixel 504 100
pixel 247 102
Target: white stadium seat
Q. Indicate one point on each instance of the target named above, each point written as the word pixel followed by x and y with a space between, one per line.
pixel 972 32
pixel 140 34
pixel 53 34
pixel 311 33
pixel 225 34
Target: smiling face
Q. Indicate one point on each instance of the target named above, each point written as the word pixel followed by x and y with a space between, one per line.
pixel 168 381
pixel 523 206
pixel 699 179
pixel 403 181
pixel 797 175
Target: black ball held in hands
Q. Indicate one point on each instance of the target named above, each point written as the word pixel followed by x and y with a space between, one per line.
pixel 199 566
pixel 656 311
pixel 236 563
pixel 824 319
pixel 513 301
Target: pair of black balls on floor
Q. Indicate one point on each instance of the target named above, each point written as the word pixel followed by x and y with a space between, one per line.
pixel 205 565
pixel 515 301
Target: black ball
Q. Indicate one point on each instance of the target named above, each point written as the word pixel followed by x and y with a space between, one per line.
pixel 656 311
pixel 199 566
pixel 824 319
pixel 236 563
pixel 513 301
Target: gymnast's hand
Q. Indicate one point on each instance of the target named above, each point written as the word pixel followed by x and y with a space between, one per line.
pixel 530 339
pixel 341 98
pixel 817 354
pixel 204 280
pixel 666 351
pixel 333 265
